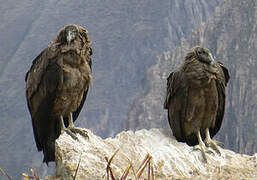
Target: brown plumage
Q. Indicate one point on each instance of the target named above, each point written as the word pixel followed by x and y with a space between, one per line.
pixel 57 85
pixel 195 98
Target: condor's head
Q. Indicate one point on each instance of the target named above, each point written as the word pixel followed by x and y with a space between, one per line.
pixel 203 55
pixel 68 34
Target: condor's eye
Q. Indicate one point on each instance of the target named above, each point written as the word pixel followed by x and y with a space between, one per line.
pixel 200 52
pixel 204 53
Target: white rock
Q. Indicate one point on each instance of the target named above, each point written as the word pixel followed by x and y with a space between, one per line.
pixel 170 158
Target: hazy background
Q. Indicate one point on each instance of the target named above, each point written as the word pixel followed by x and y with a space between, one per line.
pixel 135 46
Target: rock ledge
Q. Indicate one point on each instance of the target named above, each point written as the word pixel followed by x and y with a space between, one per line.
pixel 170 159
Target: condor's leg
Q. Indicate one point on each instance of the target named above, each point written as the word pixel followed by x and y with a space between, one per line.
pixel 62 123
pixel 68 131
pixel 211 143
pixel 201 146
pixel 76 129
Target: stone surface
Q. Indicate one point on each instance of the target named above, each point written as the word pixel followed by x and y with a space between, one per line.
pixel 170 158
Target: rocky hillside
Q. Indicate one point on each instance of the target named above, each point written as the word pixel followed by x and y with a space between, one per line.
pixel 231 36
pixel 167 158
pixel 127 36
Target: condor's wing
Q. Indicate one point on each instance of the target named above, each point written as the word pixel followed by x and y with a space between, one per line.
pixel 41 84
pixel 221 83
pixel 175 101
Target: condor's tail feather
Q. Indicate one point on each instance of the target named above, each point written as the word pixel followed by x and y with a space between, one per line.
pixel 46 130
pixel 49 132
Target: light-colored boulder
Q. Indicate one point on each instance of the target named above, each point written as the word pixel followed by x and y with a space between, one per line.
pixel 170 158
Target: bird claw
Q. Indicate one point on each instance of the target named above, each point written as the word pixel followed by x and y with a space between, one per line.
pixel 69 132
pixel 203 150
pixel 72 131
pixel 80 131
pixel 212 144
pixel 197 147
pixel 219 143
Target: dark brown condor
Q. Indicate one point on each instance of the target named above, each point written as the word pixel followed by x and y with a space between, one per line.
pixel 195 99
pixel 56 87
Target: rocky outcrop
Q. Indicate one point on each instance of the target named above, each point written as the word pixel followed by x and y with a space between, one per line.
pixel 169 158
pixel 231 37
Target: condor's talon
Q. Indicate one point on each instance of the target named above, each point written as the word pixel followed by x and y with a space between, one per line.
pixel 211 143
pixel 80 131
pixel 214 146
pixel 201 146
pixel 198 148
pixel 73 135
pixel 218 143
pixel 71 129
pixel 74 129
pixel 202 149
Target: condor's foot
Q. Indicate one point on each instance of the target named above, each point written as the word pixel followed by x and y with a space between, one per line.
pixel 80 131
pixel 201 147
pixel 211 143
pixel 72 130
pixel 218 143
pixel 69 132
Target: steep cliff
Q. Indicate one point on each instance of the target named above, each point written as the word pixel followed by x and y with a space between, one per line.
pixel 127 36
pixel 231 36
pixel 168 158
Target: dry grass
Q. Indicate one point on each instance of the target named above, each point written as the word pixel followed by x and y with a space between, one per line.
pixel 137 174
pixel 248 171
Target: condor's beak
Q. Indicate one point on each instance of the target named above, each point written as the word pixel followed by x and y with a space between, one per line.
pixel 69 37
pixel 211 59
